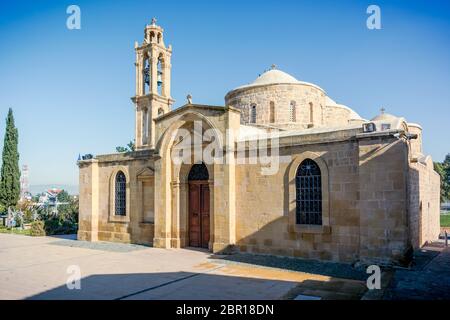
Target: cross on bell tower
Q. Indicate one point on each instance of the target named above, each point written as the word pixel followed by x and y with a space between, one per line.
pixel 152 97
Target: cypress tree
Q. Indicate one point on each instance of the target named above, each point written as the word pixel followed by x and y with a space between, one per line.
pixel 10 174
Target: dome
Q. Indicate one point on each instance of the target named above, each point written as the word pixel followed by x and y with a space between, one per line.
pixel 331 103
pixel 385 117
pixel 388 121
pixel 275 76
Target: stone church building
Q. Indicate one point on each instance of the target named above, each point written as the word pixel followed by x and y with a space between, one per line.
pixel 345 188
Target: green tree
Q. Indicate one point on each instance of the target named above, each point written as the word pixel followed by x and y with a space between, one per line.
pixel 63 196
pixel 10 173
pixel 130 147
pixel 443 168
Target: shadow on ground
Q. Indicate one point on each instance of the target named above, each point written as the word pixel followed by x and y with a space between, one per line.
pixel 427 279
pixel 198 286
pixel 167 286
pixel 331 269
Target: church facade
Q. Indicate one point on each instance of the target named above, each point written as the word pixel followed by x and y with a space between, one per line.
pixel 280 169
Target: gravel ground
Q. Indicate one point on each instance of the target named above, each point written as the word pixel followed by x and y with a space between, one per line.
pixel 427 279
pixel 102 246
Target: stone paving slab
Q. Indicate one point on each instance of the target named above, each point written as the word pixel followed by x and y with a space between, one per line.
pixel 36 268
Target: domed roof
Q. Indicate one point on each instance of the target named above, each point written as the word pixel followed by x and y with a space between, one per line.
pixel 385 117
pixel 275 76
pixel 331 103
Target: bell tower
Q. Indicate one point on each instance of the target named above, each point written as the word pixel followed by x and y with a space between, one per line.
pixel 152 97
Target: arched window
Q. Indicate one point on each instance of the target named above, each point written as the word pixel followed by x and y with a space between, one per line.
pixel 198 171
pixel 120 194
pixel 321 112
pixel 160 112
pixel 272 112
pixel 146 75
pixel 253 113
pixel 159 37
pixel 308 186
pixel 292 116
pixel 160 80
pixel 311 113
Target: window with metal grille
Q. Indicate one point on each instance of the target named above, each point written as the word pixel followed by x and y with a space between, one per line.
pixel 308 185
pixel 121 192
pixel 253 114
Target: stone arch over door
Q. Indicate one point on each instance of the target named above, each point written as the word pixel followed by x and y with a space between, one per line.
pixel 198 215
pixel 180 204
pixel 171 188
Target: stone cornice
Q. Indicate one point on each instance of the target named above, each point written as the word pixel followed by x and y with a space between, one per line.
pixel 194 107
pixel 125 156
pixel 152 96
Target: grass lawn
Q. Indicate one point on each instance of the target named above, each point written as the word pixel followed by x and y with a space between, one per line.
pixel 445 220
pixel 15 231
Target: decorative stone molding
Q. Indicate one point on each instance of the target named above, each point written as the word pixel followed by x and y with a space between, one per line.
pixel 325 227
pixel 112 191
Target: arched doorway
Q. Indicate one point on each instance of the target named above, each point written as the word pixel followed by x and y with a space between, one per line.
pixel 199 220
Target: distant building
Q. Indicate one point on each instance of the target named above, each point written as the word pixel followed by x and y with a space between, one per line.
pixel 445 206
pixel 49 197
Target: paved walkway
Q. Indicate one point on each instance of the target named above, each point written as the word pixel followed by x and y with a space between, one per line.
pixel 429 279
pixel 37 268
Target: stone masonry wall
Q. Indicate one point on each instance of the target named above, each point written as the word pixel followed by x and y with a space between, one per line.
pixel 262 216
pixel 424 184
pixel 281 95
pixel 367 205
pixel 137 226
pixel 383 172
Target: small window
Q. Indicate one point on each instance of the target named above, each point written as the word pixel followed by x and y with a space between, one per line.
pixel 292 113
pixel 311 113
pixel 308 184
pixel 253 114
pixel 160 112
pixel 160 72
pixel 385 126
pixel 120 194
pixel 272 112
pixel 147 75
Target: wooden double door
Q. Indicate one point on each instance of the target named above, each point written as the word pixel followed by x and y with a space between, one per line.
pixel 199 219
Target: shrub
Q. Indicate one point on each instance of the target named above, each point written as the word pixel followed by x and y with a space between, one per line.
pixel 58 225
pixel 37 229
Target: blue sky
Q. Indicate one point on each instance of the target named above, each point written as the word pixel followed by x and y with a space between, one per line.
pixel 70 89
